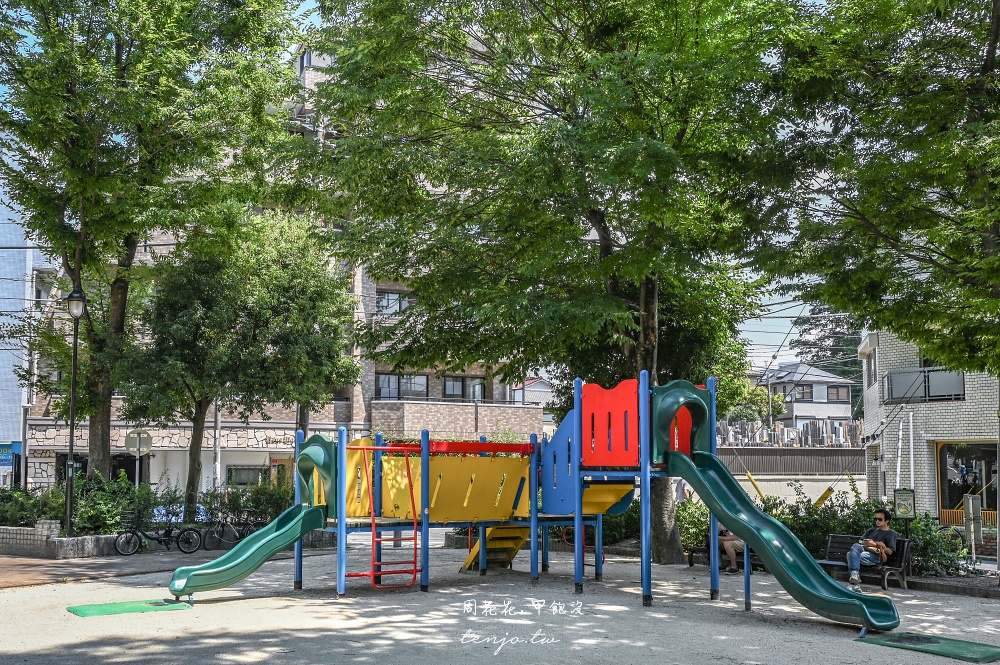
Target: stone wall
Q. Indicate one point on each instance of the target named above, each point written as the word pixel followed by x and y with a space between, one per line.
pixel 43 541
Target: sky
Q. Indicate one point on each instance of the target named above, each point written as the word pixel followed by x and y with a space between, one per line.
pixel 772 333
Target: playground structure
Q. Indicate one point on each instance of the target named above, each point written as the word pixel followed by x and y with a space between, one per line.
pixel 613 442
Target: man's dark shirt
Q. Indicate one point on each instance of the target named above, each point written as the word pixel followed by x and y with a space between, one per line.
pixel 879 536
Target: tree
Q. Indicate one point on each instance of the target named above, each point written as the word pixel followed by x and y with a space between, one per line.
pixel 243 318
pixel 537 171
pixel 120 117
pixel 900 103
pixel 753 406
pixel 829 340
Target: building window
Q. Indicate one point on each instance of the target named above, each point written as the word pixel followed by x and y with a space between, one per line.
pixel 804 392
pixel 838 394
pixel 396 386
pixel 388 303
pixel 966 468
pixel 241 476
pixel 871 369
pixel 465 387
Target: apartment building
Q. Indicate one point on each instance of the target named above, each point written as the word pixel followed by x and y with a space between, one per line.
pixel 928 428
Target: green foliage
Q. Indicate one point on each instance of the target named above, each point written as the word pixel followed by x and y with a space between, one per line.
pixel 242 317
pixel 844 512
pixel 263 501
pixel 753 405
pixel 628 141
pixel 933 551
pixel 119 119
pixel 899 105
pixel 692 521
pixel 624 526
pixel 19 507
pixel 828 340
pixel 97 504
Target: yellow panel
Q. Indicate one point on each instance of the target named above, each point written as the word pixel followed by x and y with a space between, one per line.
pixel 319 492
pixel 463 489
pixel 358 500
pixel 396 488
pixel 598 498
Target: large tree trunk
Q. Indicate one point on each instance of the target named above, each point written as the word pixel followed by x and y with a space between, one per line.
pixel 99 433
pixel 194 459
pixel 666 537
pixel 101 372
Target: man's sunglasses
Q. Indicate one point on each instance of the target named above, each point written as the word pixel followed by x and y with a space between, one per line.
pixel 879 519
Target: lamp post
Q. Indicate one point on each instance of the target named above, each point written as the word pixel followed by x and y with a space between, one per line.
pixel 76 303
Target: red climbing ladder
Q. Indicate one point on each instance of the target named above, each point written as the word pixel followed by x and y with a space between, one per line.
pixel 398 567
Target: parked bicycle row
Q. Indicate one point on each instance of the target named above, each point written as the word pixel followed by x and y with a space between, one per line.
pixel 222 532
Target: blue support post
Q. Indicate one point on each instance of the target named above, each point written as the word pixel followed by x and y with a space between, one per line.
pixel 645 485
pixel 713 541
pixel 746 577
pixel 545 549
pixel 575 455
pixel 341 500
pixel 483 560
pixel 599 547
pixel 297 577
pixel 713 557
pixel 425 508
pixel 712 448
pixel 533 504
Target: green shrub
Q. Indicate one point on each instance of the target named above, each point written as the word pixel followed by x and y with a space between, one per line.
pixel 265 500
pixel 932 551
pixel 18 507
pixel 844 512
pixel 624 526
pixel 692 521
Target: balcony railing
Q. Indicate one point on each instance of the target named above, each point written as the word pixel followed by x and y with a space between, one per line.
pixel 918 384
pixel 455 400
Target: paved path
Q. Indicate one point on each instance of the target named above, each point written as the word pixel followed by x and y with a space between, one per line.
pixel 465 618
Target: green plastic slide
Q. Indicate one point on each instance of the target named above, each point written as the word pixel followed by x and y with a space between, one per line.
pixel 786 558
pixel 249 554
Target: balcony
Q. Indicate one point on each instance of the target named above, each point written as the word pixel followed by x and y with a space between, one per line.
pixel 918 384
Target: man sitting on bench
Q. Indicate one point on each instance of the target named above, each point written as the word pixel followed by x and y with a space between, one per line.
pixel 875 547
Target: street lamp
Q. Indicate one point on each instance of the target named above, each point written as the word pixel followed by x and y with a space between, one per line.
pixel 76 303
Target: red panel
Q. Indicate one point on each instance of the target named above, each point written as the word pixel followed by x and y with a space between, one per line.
pixel 611 425
pixel 680 431
pixel 476 447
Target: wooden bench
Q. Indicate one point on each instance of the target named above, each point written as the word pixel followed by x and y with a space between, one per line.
pixel 838 545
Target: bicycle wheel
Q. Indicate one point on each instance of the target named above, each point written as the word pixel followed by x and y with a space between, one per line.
pixel 249 529
pixel 189 540
pixel 127 543
pixel 213 536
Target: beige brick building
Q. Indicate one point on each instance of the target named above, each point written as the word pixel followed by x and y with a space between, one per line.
pixel 954 429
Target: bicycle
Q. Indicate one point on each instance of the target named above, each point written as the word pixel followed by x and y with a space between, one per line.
pixel 225 531
pixel 188 540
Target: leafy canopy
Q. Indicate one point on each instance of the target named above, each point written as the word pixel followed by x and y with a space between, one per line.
pixel 900 109
pixel 535 171
pixel 247 316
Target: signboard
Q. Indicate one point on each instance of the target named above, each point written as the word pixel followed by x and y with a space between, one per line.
pixel 138 439
pixel 904 504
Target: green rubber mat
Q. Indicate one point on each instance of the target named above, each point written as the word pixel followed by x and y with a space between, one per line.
pixel 128 607
pixel 970 652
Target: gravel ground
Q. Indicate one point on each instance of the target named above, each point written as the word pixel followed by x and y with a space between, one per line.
pixel 465 617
